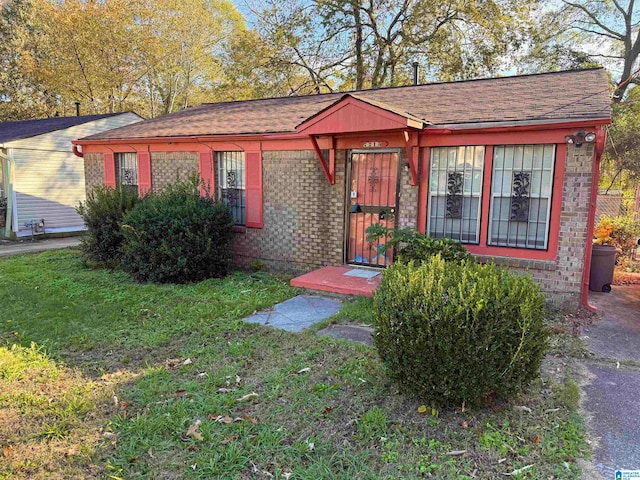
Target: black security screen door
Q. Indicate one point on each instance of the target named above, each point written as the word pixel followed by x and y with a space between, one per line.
pixel 373 198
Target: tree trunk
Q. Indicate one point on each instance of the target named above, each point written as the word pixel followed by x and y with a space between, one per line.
pixel 358 45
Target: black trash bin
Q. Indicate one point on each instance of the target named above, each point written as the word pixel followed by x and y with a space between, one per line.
pixel 603 262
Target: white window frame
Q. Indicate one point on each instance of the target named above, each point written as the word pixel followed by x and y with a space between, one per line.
pixel 439 192
pixel 532 195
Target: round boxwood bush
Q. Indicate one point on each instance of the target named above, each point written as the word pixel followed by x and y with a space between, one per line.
pixel 103 213
pixel 455 333
pixel 177 236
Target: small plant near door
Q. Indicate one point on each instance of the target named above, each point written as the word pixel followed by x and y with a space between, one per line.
pixel 413 245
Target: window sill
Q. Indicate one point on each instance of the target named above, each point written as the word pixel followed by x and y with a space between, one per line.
pixel 547 265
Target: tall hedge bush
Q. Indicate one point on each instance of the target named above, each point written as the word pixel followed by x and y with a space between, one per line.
pixel 453 333
pixel 103 213
pixel 177 236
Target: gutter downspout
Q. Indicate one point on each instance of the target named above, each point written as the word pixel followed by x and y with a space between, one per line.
pixel 9 191
pixel 77 152
pixel 595 174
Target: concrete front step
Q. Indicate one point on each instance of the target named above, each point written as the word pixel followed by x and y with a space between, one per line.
pixel 341 280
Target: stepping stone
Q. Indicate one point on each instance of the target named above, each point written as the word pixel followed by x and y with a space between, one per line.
pixel 349 332
pixel 297 313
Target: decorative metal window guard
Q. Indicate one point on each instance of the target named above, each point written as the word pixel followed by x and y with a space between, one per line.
pixel 520 197
pixel 454 194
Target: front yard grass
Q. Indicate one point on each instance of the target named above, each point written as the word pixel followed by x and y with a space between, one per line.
pixel 105 378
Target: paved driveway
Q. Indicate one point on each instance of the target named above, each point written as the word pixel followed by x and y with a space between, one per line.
pixel 8 248
pixel 612 397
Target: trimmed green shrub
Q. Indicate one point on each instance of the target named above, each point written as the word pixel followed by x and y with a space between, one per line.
pixel 454 333
pixel 103 213
pixel 177 236
pixel 409 244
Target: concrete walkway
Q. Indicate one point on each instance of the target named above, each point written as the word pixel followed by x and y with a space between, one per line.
pixel 297 313
pixel 8 248
pixel 612 397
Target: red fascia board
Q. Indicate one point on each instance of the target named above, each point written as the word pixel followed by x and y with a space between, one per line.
pixel 537 134
pixel 451 130
pixel 192 139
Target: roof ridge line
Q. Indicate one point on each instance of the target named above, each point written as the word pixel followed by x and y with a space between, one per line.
pixel 397 87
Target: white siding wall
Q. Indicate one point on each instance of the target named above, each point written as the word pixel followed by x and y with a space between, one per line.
pixel 48 187
pixel 49 178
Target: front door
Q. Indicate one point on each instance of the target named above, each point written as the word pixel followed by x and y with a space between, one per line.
pixel 372 198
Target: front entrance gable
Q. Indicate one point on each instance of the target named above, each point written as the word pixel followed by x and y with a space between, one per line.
pixel 353 115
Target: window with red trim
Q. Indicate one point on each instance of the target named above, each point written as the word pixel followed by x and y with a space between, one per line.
pixel 455 193
pixel 231 183
pixel 521 187
pixel 127 170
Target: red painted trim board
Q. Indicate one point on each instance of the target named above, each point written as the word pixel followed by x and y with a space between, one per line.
pixel 109 169
pixel 253 189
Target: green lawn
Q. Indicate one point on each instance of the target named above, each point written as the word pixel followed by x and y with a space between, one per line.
pixel 104 378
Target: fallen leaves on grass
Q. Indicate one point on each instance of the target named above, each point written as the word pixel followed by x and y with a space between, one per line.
pixel 455 453
pixel 248 396
pixel 304 370
pixel 517 471
pixel 226 419
pixel 193 431
pixel 424 410
pixel 522 408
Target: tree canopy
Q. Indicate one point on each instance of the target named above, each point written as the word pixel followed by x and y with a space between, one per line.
pixel 149 56
pixel 157 56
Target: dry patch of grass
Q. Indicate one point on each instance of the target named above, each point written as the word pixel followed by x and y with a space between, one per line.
pixel 50 417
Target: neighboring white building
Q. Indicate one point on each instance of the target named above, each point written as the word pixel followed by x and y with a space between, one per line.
pixel 41 180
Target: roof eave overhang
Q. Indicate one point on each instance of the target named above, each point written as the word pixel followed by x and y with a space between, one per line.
pixel 510 126
pixel 486 127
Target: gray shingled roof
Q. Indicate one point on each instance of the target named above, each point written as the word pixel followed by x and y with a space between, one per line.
pixel 10 131
pixel 569 95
